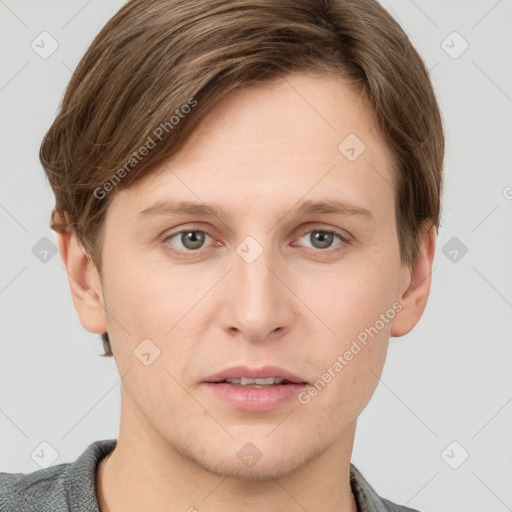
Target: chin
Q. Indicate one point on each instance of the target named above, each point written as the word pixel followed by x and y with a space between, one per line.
pixel 250 458
pixel 261 471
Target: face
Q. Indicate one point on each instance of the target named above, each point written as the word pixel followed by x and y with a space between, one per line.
pixel 267 280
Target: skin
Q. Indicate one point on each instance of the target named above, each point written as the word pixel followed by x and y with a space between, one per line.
pixel 297 306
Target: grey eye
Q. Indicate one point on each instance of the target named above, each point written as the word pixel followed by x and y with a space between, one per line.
pixel 321 238
pixel 190 239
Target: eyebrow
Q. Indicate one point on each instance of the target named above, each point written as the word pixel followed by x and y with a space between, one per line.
pixel 215 210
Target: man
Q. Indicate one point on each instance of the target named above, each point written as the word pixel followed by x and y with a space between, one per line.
pixel 247 198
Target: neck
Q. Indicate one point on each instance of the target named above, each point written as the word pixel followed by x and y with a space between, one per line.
pixel 121 486
pixel 145 473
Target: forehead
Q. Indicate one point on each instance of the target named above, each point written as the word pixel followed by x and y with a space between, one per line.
pixel 302 136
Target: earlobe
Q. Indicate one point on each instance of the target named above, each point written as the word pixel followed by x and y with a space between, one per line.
pixel 84 283
pixel 415 286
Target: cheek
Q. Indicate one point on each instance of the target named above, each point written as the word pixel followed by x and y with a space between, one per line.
pixel 347 378
pixel 147 297
pixel 356 305
pixel 352 298
pixel 161 305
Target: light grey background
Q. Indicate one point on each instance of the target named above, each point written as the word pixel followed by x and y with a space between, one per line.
pixel 448 380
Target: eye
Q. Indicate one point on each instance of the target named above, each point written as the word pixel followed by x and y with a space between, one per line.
pixel 323 238
pixel 190 239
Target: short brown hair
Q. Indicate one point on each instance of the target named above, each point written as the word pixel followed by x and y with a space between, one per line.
pixel 153 58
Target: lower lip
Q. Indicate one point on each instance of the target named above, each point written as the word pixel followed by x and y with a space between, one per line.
pixel 255 399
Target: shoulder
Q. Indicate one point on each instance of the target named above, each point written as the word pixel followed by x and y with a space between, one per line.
pixel 21 491
pixel 367 498
pixel 393 507
pixel 65 487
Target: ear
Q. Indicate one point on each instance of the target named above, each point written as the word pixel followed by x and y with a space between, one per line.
pixel 415 284
pixel 84 282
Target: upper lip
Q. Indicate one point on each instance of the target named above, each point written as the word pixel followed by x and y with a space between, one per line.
pixel 254 373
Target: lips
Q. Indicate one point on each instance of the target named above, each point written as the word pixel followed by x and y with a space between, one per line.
pixel 266 372
pixel 228 386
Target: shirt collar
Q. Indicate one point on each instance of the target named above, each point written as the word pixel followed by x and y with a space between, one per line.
pixel 367 499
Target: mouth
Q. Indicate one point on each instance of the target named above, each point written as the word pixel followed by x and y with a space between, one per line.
pixel 246 376
pixel 255 389
pixel 256 383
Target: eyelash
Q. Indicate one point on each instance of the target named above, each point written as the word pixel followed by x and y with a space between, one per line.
pixel 344 239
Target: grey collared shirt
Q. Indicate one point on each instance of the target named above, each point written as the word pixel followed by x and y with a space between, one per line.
pixel 71 487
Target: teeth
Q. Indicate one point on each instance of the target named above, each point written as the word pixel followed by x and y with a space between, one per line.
pixel 256 382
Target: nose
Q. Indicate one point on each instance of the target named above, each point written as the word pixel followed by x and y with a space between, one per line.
pixel 259 303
